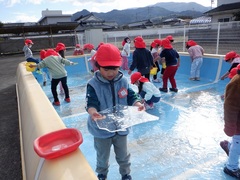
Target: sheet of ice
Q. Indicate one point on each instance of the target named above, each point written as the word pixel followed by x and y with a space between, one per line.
pixel 120 117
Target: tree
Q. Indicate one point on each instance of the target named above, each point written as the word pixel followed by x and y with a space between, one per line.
pixel 1 24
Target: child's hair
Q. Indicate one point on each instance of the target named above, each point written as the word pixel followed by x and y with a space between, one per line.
pixel 125 40
pixel 106 67
pixel 62 53
pixel 140 86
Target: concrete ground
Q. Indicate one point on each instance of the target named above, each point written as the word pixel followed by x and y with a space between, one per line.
pixel 10 155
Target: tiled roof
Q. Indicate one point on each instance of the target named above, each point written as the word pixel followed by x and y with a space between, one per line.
pixel 201 20
pixel 224 7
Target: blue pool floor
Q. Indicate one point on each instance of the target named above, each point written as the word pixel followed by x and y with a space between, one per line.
pixel 183 144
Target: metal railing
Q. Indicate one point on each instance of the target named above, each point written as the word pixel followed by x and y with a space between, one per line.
pixel 215 38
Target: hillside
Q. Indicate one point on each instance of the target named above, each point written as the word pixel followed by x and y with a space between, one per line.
pixel 181 6
pixel 159 10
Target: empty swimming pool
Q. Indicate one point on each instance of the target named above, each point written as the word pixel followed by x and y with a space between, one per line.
pixel 182 144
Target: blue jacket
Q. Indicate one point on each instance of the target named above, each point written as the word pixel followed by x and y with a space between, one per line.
pixel 102 94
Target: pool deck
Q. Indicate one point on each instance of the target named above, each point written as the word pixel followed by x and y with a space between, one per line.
pixel 10 158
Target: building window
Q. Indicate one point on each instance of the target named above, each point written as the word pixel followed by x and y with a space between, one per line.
pixel 224 20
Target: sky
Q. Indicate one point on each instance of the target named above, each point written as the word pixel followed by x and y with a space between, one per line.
pixel 12 11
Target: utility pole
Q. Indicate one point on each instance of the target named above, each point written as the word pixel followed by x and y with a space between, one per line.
pixel 212 2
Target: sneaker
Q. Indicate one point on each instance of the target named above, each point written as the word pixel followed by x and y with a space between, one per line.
pixel 127 177
pixel 224 145
pixel 173 89
pixel 197 79
pixel 232 173
pixel 57 103
pixel 192 79
pixel 163 89
pixel 156 80
pixel 67 100
pixel 44 83
pixel 148 106
pixel 102 177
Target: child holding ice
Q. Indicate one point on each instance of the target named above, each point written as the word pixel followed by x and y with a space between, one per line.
pixel 106 89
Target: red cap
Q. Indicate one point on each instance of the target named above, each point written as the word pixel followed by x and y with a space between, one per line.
pixel 158 42
pixel 191 43
pixel 59 48
pixel 88 46
pixel 51 52
pixel 138 76
pixel 61 44
pixel 153 44
pixel 108 55
pixel 78 46
pixel 135 76
pixel 166 44
pixel 170 38
pixel 42 54
pixel 230 55
pixel 139 42
pixel 233 72
pixel 28 41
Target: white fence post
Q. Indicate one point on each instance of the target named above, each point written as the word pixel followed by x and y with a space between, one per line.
pixel 218 36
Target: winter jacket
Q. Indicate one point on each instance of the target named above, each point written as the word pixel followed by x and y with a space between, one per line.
pixel 142 60
pixel 103 94
pixel 232 107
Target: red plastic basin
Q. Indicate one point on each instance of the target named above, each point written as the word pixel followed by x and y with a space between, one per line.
pixel 58 143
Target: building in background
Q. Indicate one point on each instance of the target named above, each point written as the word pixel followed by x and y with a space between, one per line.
pixel 220 2
pixel 224 12
pixel 53 17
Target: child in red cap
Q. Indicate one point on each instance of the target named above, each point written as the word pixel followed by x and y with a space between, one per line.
pixel 142 58
pixel 61 49
pixel 106 89
pixel 172 59
pixel 196 54
pixel 148 92
pixel 155 49
pixel 78 50
pixel 28 52
pixel 90 49
pixel 234 59
pixel 55 65
pixel 45 72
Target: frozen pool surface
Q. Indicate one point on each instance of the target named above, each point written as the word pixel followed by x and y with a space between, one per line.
pixel 182 144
